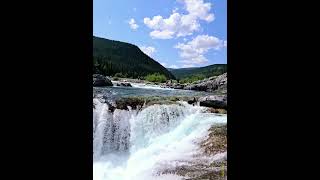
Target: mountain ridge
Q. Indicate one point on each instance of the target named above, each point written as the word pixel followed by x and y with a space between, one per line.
pixel 205 71
pixel 111 57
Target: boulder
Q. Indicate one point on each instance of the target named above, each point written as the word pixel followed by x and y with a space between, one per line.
pixel 214 101
pixel 192 101
pixel 100 80
pixel 211 84
pixel 124 84
pixel 213 97
pixel 214 104
pixel 133 102
pixel 178 86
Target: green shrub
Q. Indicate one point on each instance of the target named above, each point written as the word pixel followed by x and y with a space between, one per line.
pixel 156 77
pixel 119 75
pixel 192 79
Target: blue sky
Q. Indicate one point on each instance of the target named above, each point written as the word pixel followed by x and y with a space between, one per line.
pixel 176 33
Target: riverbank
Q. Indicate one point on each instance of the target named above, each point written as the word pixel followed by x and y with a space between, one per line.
pixel 216 84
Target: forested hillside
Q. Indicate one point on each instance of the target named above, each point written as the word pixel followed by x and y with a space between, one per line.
pixel 191 74
pixel 123 59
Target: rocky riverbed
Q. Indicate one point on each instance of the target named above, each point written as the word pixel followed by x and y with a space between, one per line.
pixel 213 84
pixel 215 103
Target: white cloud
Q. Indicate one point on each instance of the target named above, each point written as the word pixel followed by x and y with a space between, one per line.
pixel 188 66
pixel 224 43
pixel 161 34
pixel 199 9
pixel 134 9
pixel 180 24
pixel 148 50
pixel 192 52
pixel 133 24
pixel 174 66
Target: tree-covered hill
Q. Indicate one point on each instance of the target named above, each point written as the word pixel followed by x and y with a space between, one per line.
pixel 124 59
pixel 205 72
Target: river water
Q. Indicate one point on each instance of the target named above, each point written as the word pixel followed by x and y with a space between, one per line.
pixel 135 145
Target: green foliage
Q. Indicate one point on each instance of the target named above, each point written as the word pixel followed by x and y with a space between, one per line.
pixel 190 73
pixel 116 79
pixel 119 75
pixel 156 77
pixel 113 57
pixel 192 78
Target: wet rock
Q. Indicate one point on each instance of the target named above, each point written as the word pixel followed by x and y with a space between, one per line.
pixel 216 141
pixel 124 84
pixel 192 101
pixel 214 101
pixel 178 86
pixel 214 104
pixel 133 102
pixel 100 80
pixel 137 102
pixel 219 111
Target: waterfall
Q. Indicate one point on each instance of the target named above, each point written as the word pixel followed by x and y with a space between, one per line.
pixel 154 121
pixel 111 131
pixel 133 144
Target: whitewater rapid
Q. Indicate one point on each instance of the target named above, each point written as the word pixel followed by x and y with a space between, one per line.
pixel 134 145
pixel 142 85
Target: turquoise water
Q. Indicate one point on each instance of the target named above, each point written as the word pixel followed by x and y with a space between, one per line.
pixel 115 92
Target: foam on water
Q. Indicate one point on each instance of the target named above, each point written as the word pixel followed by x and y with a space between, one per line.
pixel 148 86
pixel 141 143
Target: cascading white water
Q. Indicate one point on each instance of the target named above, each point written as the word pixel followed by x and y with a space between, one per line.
pixel 131 145
pixel 111 131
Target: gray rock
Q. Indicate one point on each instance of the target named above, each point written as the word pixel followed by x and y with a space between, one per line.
pixel 100 80
pixel 209 85
pixel 170 84
pixel 215 101
pixel 178 86
pixel 214 104
pixel 124 84
pixel 213 98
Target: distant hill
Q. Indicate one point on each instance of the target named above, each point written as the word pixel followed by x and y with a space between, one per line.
pixel 111 57
pixel 207 71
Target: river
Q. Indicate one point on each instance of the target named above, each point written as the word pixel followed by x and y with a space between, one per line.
pixel 139 144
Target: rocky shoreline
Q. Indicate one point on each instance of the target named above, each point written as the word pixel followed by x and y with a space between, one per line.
pixel 216 83
pixel 214 103
pixel 213 84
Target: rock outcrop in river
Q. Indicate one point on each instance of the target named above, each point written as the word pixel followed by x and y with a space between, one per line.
pixel 215 103
pixel 210 85
pixel 174 85
pixel 124 84
pixel 100 80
